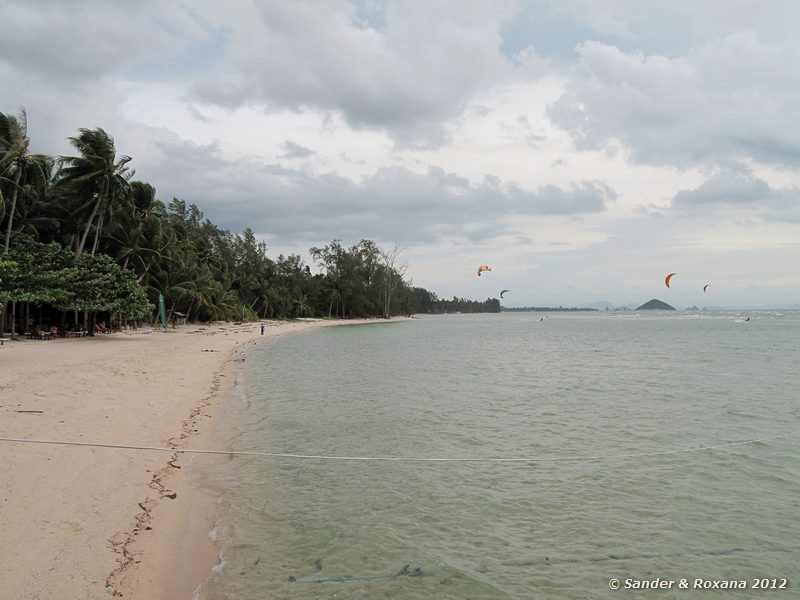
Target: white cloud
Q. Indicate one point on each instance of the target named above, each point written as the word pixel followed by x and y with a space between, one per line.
pixel 731 98
pixel 71 45
pixel 406 78
pixel 737 188
pixel 294 150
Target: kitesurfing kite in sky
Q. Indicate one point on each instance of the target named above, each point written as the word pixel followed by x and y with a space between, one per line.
pixel 670 276
pixel 705 287
pixel 483 268
pixel 503 292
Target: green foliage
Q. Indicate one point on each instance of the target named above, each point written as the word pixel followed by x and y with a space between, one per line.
pixel 94 179
pixel 32 272
pixel 97 283
pixel 462 305
pixel 20 171
pixel 87 238
pixel 48 273
pixel 422 301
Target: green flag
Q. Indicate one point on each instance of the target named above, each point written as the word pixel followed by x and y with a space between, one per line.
pixel 162 310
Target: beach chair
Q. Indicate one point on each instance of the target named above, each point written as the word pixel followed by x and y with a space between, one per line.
pixel 38 334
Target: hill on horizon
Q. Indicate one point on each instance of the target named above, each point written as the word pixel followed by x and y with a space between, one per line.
pixel 655 305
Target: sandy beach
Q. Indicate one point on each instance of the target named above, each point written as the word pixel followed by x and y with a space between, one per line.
pixel 87 522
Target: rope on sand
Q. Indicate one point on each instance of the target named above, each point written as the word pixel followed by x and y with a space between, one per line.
pixel 546 459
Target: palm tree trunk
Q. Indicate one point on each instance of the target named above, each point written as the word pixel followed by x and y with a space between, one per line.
pixel 97 231
pixel 5 249
pixel 146 269
pixel 100 199
pixel 13 209
pixel 385 299
pixel 85 235
pixel 13 318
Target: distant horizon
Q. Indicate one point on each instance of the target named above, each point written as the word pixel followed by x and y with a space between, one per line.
pixel 594 306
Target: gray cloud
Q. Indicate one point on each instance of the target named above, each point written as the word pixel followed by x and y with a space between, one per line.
pixel 196 114
pixel 56 113
pixel 406 77
pixel 70 44
pixel 737 188
pixel 293 150
pixel 394 203
pixel 732 98
pixel 663 27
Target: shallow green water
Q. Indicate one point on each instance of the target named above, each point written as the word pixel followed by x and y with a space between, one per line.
pixel 603 404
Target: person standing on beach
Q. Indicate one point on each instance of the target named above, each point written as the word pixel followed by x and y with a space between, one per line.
pixel 262 329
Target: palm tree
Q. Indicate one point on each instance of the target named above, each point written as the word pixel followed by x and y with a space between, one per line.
pixel 174 282
pixel 97 175
pixel 301 305
pixel 136 235
pixel 16 161
pixel 35 214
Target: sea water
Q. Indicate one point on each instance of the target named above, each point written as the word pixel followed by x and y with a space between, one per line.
pixel 637 433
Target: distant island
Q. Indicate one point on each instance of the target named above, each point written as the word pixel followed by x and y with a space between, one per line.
pixel 655 305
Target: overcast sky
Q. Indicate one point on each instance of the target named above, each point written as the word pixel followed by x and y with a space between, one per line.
pixel 581 148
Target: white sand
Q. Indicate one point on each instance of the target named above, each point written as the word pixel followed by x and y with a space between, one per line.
pixel 89 523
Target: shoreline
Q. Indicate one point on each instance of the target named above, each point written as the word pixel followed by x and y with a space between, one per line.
pixel 91 522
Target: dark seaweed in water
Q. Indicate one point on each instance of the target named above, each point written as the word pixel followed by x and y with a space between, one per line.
pixel 406 571
pixel 625 557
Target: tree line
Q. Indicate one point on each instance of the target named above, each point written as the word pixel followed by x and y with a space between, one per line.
pixel 429 303
pixel 80 234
